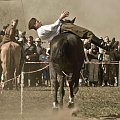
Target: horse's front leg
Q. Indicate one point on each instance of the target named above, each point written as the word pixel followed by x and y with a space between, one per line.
pixel 74 87
pixel 61 90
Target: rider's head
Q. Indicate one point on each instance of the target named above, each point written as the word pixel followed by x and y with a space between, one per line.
pixel 14 22
pixel 34 24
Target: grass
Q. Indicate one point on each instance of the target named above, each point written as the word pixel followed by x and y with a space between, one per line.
pixel 93 102
pixel 99 101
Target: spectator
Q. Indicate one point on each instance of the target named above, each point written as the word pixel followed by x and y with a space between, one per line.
pixel 22 37
pixel 93 68
pixel 38 66
pixel 114 67
pixel 117 59
pixel 100 59
pixel 106 59
pixel 85 71
pixel 44 58
pixel 39 47
pixel 2 32
pixel 108 68
pixel 30 52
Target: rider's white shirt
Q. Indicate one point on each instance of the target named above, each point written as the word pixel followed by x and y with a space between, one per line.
pixel 48 32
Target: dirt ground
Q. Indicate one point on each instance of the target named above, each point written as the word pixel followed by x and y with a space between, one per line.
pixel 94 103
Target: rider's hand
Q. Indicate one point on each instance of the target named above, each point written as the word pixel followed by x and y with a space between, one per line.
pixel 63 15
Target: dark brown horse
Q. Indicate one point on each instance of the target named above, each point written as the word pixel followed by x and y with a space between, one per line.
pixel 11 63
pixel 66 58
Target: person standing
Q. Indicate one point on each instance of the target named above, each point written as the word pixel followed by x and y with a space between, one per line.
pixel 39 49
pixel 30 55
pixel 45 72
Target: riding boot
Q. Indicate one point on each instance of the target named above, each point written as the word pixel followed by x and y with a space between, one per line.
pixel 112 42
pixel 100 43
pixel 115 45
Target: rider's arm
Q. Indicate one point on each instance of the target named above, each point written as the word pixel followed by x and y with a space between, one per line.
pixel 47 32
pixel 12 33
pixel 61 17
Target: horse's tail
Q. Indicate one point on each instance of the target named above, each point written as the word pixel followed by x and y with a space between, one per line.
pixel 10 63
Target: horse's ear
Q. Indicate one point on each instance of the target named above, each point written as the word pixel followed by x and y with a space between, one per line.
pixel 73 20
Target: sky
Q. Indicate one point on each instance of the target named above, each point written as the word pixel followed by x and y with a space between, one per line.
pixel 102 17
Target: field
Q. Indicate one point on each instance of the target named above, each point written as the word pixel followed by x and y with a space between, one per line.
pixel 94 103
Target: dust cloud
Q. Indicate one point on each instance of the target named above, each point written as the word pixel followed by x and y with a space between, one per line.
pixel 48 114
pixel 100 16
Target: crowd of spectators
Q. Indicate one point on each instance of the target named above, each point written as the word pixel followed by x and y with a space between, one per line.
pixel 34 51
pixel 97 62
pixel 102 66
pixel 36 58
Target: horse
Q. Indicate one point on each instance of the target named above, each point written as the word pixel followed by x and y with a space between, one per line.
pixel 11 63
pixel 66 59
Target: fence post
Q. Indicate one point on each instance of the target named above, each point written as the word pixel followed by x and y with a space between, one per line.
pixel 22 78
pixel 22 82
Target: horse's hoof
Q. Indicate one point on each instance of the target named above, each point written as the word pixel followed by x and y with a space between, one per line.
pixel 55 106
pixel 75 112
pixel 61 105
pixel 71 105
pixel 55 109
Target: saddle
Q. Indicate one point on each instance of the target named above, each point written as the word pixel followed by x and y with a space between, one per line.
pixel 66 21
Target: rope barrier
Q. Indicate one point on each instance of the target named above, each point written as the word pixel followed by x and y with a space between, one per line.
pixel 103 62
pixel 107 62
pixel 36 70
pixel 2 84
pixel 36 62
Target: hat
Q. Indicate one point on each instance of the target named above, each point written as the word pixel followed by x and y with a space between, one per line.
pixel 37 40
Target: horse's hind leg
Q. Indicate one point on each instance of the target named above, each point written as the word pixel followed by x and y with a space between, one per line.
pixel 61 90
pixel 71 95
pixel 56 86
pixel 74 87
pixel 17 76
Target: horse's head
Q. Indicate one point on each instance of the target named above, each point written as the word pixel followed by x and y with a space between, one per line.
pixel 68 21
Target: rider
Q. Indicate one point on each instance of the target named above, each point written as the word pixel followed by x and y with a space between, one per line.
pixel 11 33
pixel 48 32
